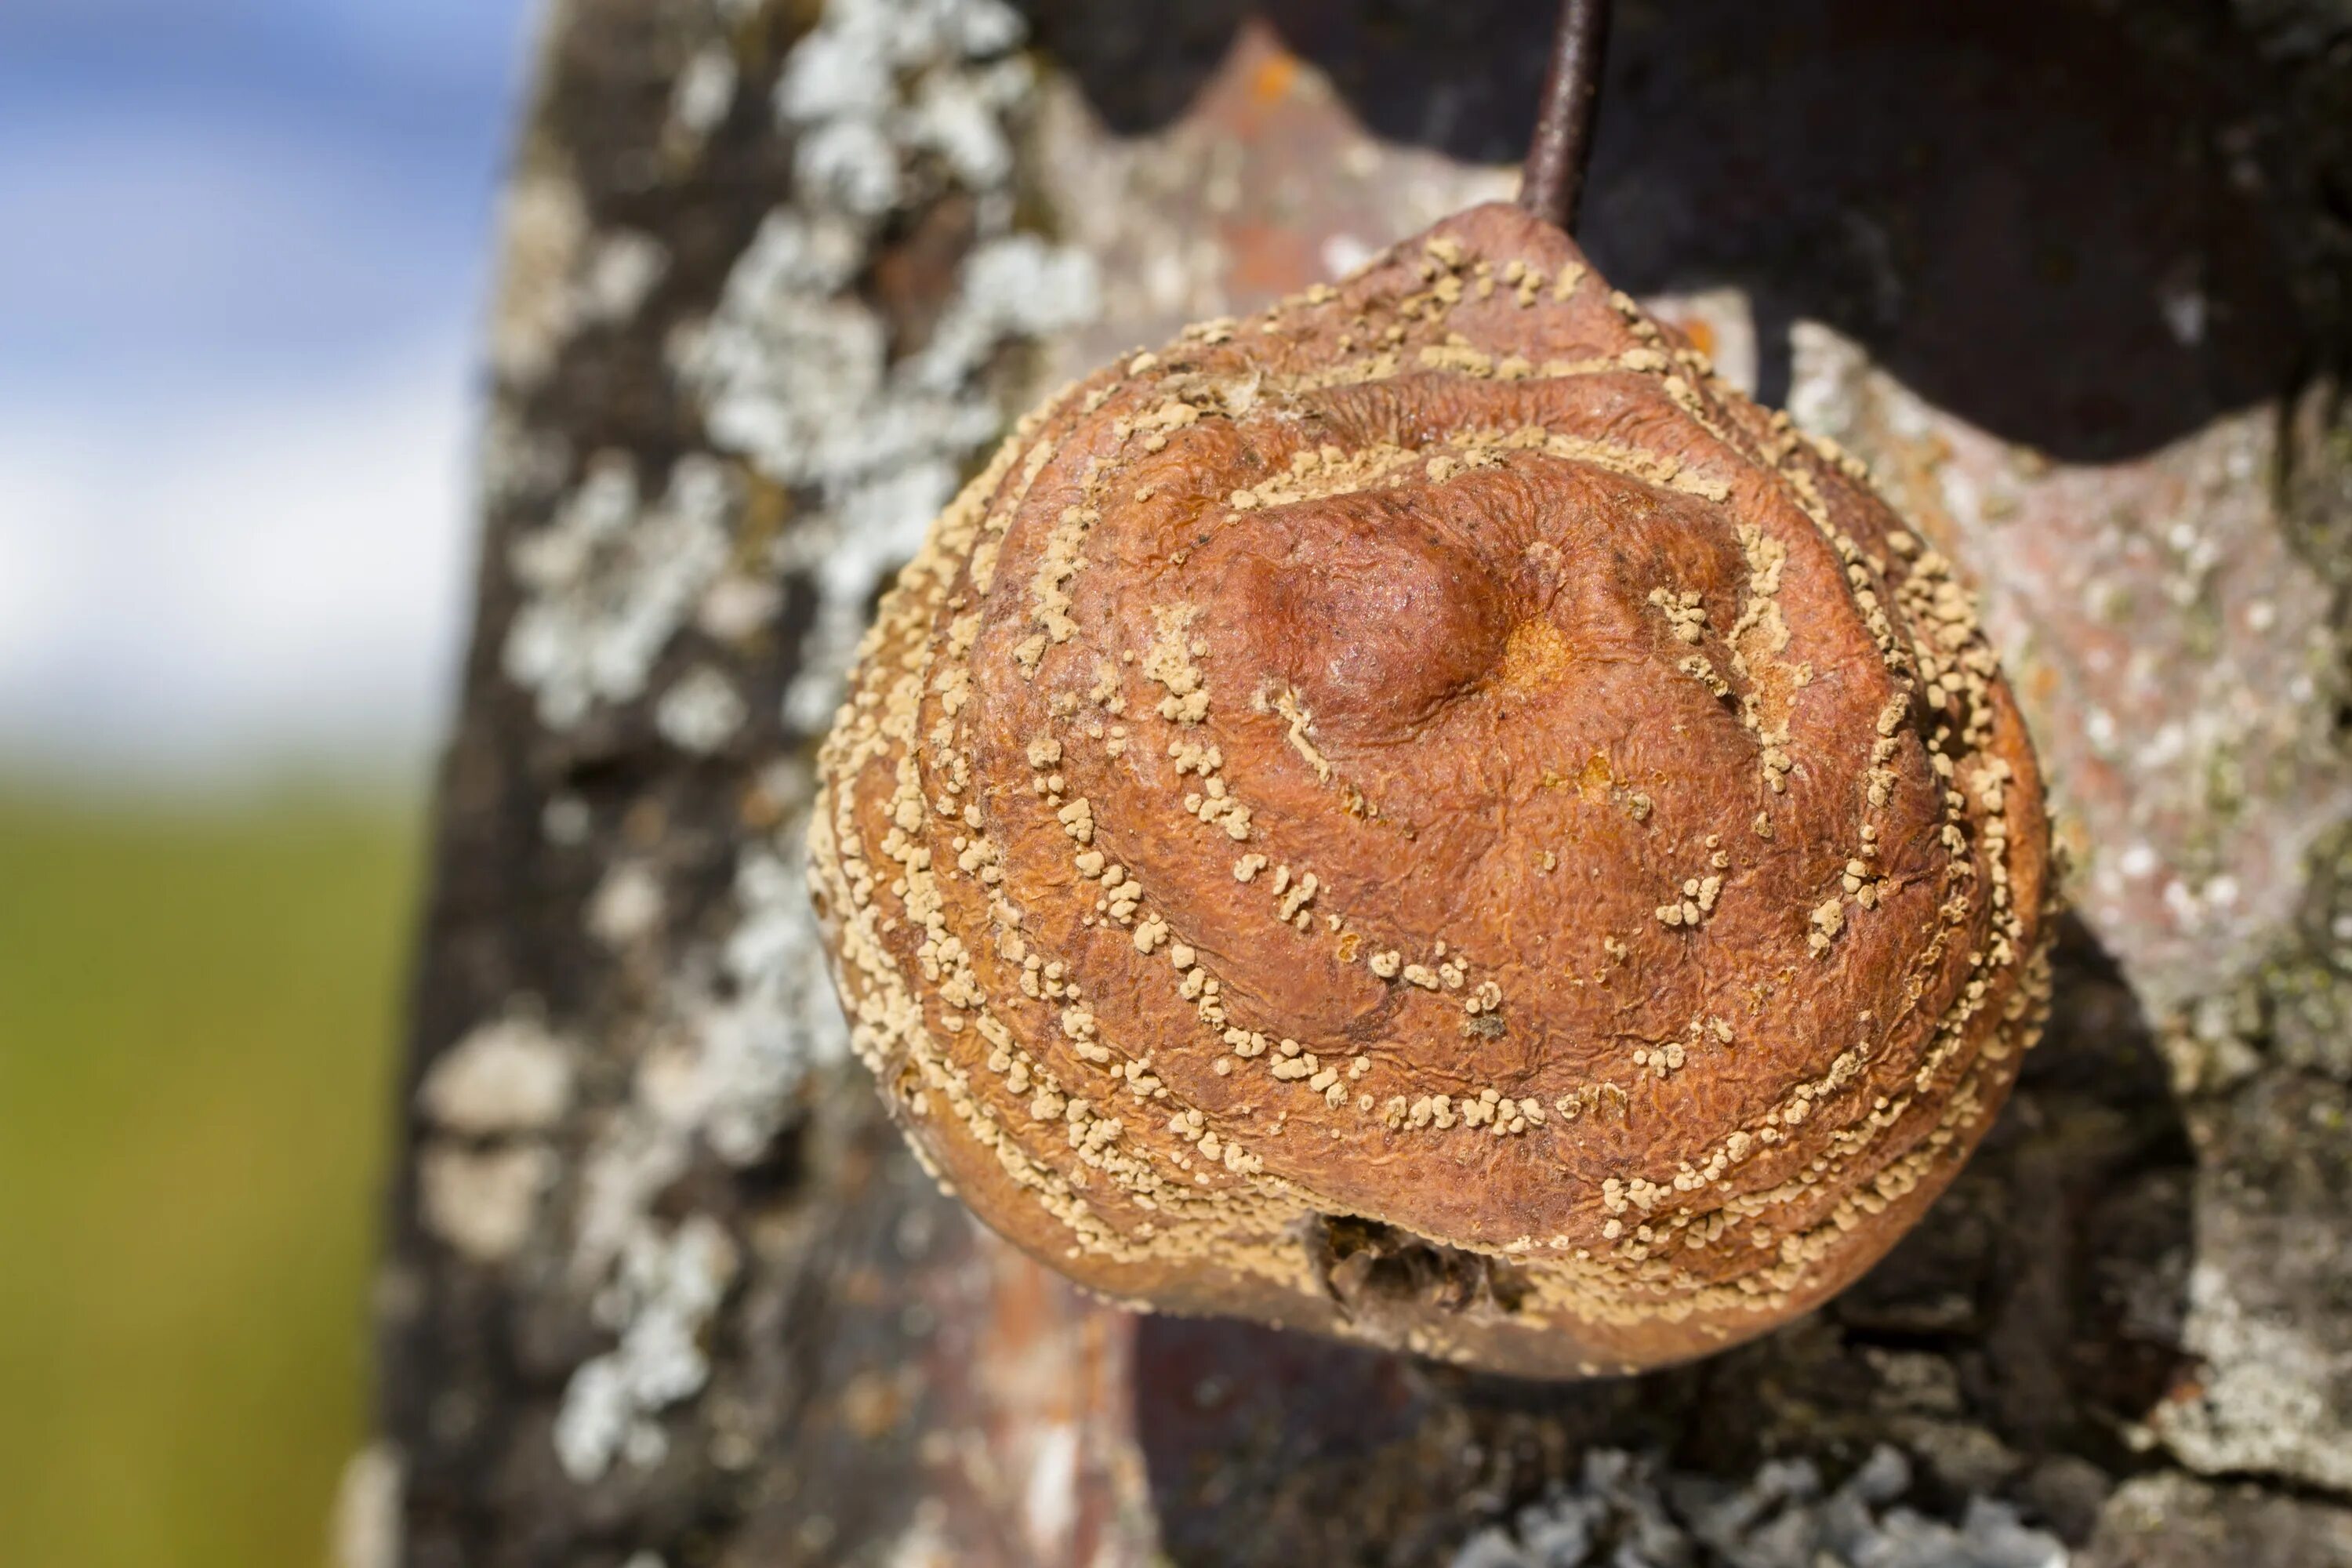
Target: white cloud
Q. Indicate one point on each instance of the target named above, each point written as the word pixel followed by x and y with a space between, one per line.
pixel 233 433
pixel 32 587
pixel 208 582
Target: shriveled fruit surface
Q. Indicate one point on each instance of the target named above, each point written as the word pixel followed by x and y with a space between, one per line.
pixel 1424 815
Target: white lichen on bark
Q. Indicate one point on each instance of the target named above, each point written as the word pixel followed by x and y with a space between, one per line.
pixel 483 1202
pixel 2267 1400
pixel 510 1075
pixel 610 581
pixel 891 106
pixel 490 1100
pixel 701 712
pixel 659 1302
pixel 795 372
pixel 1624 1510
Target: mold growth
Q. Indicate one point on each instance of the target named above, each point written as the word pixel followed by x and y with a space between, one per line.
pixel 949 925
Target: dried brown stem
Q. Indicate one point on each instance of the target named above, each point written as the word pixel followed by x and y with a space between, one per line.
pixel 1554 179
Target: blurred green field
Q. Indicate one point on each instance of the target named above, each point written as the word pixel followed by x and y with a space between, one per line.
pixel 196 1011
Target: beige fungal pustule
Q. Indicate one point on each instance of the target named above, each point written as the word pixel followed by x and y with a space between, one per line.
pixel 1423 815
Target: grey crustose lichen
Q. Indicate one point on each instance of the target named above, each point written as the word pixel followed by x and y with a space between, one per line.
pixel 888 106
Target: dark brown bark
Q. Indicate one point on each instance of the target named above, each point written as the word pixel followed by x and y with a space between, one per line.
pixel 659 1280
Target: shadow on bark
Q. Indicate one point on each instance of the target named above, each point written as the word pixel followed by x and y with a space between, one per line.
pixel 2057 222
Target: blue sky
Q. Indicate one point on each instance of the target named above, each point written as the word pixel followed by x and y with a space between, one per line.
pixel 243 180
pixel 242 255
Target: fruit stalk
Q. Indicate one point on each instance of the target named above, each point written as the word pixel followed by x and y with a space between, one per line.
pixel 1553 183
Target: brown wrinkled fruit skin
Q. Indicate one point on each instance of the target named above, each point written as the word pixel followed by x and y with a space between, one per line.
pixel 1679 861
